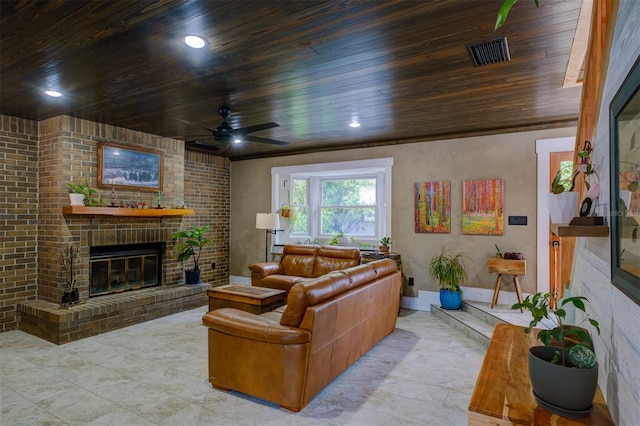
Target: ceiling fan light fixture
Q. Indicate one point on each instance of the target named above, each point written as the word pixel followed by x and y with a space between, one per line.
pixel 195 41
pixel 53 93
pixel 237 140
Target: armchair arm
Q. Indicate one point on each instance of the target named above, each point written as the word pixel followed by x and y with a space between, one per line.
pixel 246 325
pixel 266 268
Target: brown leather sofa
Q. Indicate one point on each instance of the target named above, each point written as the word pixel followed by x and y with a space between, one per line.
pixel 289 355
pixel 301 262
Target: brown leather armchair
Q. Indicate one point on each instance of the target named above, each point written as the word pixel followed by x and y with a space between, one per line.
pixel 301 262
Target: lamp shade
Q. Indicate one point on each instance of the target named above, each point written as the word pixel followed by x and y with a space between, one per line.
pixel 267 221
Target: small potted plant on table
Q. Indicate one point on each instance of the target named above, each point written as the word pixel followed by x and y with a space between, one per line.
pixel 563 372
pixel 384 245
pixel 450 272
pixel 192 245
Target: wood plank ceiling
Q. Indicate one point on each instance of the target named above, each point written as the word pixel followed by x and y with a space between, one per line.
pixel 400 67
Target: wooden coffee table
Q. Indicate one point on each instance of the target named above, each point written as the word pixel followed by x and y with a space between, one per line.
pixel 256 300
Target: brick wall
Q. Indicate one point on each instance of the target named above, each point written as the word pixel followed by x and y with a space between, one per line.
pixel 207 191
pixel 38 159
pixel 19 215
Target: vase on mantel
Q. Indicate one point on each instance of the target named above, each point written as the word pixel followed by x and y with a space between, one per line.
pixel 562 207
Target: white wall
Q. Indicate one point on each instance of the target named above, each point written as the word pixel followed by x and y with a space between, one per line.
pixel 618 346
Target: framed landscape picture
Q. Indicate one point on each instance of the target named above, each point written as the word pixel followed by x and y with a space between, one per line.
pixel 483 207
pixel 129 167
pixel 432 207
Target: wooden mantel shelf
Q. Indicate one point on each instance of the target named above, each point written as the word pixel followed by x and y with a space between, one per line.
pixel 124 211
pixel 566 230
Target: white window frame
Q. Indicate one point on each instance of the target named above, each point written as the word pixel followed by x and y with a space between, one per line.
pixel 281 178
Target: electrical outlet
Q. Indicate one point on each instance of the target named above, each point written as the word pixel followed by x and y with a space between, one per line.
pixel 410 283
pixel 213 265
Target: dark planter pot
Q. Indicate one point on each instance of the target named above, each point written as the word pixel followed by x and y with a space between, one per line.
pixel 192 277
pixel 567 391
pixel 70 296
pixel 450 300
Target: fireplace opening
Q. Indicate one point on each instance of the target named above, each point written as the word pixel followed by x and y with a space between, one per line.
pixel 119 268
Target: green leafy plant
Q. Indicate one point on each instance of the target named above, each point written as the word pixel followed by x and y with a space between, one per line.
pixel 565 178
pixel 504 11
pixel 449 271
pixel 539 305
pixel 192 245
pixel 84 189
pixel 385 241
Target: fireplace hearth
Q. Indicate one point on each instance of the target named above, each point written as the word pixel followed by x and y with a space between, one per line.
pixel 127 267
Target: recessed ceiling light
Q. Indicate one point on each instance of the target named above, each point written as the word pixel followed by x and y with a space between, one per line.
pixel 354 124
pixel 195 41
pixel 53 93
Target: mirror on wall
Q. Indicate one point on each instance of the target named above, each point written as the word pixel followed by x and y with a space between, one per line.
pixel 625 185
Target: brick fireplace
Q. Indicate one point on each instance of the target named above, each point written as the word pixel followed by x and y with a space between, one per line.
pixel 66 150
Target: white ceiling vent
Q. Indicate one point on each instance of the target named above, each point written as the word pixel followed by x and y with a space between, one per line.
pixel 489 52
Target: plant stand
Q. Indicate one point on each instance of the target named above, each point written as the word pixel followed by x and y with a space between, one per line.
pixel 507 267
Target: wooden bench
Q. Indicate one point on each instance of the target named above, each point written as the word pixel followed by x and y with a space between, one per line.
pixel 502 394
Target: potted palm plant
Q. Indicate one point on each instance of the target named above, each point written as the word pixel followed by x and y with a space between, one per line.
pixel 190 247
pixel 566 357
pixel 450 272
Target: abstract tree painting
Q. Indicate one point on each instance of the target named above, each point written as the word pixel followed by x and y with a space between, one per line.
pixel 432 207
pixel 483 207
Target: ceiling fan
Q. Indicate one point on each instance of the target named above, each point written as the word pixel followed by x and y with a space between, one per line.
pixel 225 133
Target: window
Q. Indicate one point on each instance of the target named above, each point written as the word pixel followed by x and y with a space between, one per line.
pixel 351 197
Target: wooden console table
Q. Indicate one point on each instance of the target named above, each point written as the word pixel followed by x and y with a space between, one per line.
pixel 503 396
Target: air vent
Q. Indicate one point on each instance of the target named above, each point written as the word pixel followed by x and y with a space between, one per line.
pixel 489 52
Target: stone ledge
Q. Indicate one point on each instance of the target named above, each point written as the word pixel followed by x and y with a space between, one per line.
pixel 102 314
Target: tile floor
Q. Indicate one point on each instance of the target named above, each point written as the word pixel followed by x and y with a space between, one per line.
pixel 155 373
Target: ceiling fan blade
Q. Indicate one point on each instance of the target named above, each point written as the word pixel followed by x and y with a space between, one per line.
pixel 250 138
pixel 203 145
pixel 256 128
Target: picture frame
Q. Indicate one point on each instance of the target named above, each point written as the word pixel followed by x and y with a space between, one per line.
pixel 432 207
pixel 483 207
pixel 624 155
pixel 128 167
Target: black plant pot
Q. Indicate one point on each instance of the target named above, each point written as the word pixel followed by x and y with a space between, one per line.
pixel 192 277
pixel 70 296
pixel 567 391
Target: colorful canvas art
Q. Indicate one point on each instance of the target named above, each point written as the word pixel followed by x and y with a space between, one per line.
pixel 483 207
pixel 432 207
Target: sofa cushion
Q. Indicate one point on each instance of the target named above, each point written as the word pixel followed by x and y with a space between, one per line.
pixel 311 292
pixel 298 260
pixel 333 258
pixel 281 282
pixel 384 267
pixel 360 274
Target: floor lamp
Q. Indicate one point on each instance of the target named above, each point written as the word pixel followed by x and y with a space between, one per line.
pixel 271 223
